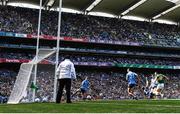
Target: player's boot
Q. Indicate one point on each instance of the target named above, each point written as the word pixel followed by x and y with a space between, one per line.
pixel 135 97
pixel 162 95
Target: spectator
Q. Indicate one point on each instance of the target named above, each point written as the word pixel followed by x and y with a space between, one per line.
pixel 90 27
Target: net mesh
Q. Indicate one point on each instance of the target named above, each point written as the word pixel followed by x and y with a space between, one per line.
pixel 21 83
pixel 22 90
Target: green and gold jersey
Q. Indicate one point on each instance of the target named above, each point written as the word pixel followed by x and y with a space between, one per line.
pixel 160 78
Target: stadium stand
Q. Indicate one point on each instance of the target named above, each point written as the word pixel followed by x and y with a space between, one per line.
pixel 90 27
pixel 103 84
pixel 82 58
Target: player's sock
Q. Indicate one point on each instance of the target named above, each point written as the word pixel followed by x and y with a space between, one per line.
pixel 162 95
pixel 135 97
pixel 131 96
pixel 84 98
pixel 151 95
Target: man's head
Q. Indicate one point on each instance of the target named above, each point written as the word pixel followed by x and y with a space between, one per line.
pixel 128 70
pixel 155 73
pixel 66 57
pixel 86 78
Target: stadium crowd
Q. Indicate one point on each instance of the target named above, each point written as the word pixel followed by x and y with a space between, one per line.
pixel 95 50
pixel 7 79
pixel 103 85
pixel 23 20
pixel 84 58
pixel 121 60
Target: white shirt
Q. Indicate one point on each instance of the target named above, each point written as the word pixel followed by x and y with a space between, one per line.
pixel 153 83
pixel 66 70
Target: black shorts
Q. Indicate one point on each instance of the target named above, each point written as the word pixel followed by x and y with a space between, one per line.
pixel 83 91
pixel 131 85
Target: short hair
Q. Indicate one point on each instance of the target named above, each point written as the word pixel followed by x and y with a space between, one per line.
pixel 67 57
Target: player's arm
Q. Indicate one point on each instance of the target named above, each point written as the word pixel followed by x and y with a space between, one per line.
pixel 73 72
pixel 126 77
pixel 156 78
pixel 147 82
pixel 82 83
pixel 166 77
pixel 58 71
pixel 89 85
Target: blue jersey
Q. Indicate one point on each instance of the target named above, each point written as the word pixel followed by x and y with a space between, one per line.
pixel 131 77
pixel 85 85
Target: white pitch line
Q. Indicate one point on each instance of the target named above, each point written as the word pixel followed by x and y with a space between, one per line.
pixel 148 105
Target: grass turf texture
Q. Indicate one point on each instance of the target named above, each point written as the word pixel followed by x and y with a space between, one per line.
pixel 126 106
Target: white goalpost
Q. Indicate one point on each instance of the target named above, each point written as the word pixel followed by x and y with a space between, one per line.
pixel 29 70
pixel 57 51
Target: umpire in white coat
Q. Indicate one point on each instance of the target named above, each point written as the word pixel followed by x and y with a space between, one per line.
pixel 66 72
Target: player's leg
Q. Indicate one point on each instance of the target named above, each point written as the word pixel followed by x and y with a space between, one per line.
pixel 75 93
pixel 68 90
pixel 145 91
pixel 160 89
pixel 60 90
pixel 83 94
pixel 131 90
pixel 142 90
pixel 156 92
pixel 152 93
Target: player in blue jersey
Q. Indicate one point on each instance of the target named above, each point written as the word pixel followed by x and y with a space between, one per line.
pixel 85 87
pixel 133 81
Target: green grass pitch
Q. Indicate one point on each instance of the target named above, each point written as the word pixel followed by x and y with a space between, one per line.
pixel 121 106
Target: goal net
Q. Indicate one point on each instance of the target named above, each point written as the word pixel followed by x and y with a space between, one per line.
pixel 24 85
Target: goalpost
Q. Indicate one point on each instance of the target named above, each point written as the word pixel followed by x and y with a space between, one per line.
pixel 28 71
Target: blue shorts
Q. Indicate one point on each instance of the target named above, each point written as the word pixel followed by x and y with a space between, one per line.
pixel 83 90
pixel 131 85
